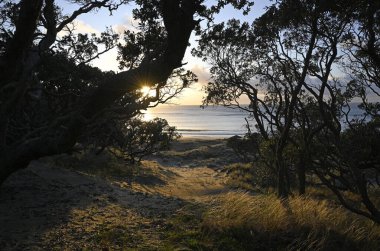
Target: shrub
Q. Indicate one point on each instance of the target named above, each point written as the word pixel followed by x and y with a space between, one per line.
pixel 246 147
pixel 134 139
pixel 141 138
pixel 250 176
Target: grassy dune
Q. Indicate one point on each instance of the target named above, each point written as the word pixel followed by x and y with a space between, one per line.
pixel 301 223
pixel 188 198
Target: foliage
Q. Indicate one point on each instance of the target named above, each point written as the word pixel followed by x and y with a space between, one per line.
pixel 251 177
pixel 361 145
pixel 135 139
pixel 246 148
pixel 286 62
pixel 50 95
pixel 129 139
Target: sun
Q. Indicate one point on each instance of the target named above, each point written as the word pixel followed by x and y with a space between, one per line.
pixel 147 91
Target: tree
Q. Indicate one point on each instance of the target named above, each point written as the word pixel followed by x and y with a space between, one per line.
pixel 29 37
pixel 362 62
pixel 351 161
pixel 264 53
pixel 137 139
pixel 286 64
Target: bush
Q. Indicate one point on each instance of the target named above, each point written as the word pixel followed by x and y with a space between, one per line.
pixel 142 138
pixel 250 176
pixel 134 139
pixel 246 148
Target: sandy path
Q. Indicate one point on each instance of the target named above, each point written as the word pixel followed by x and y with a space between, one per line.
pixel 42 208
pixel 191 184
pixel 45 207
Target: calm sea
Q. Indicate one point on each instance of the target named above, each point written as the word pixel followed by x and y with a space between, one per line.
pixel 192 120
pixel 212 121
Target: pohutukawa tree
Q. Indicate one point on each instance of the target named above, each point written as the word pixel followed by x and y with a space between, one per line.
pixel 301 70
pixel 277 50
pixel 49 93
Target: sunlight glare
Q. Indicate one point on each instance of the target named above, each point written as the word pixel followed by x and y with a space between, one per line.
pixel 147 91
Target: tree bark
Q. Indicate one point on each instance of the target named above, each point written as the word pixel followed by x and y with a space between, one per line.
pixel 284 135
pixel 17 50
pixel 301 173
pixel 282 189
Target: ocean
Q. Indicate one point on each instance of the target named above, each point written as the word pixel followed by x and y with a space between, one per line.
pixel 194 121
pixel 212 121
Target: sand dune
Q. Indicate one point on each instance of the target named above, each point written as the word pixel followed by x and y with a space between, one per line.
pixel 49 206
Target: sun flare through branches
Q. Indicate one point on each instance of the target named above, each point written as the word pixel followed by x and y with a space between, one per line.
pixel 147 91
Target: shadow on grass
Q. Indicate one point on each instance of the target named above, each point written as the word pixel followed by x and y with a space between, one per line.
pixel 44 208
pixel 149 180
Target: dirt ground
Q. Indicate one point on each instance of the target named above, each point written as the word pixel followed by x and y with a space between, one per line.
pixel 70 205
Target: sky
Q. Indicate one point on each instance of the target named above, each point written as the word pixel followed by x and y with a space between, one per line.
pixel 121 19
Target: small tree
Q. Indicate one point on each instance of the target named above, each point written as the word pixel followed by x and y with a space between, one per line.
pixel 276 52
pixel 136 139
pixel 247 147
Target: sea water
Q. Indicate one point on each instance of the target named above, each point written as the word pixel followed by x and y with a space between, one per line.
pixel 211 121
pixel 194 121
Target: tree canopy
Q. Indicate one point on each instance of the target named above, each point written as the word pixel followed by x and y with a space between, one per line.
pixel 303 65
pixel 50 93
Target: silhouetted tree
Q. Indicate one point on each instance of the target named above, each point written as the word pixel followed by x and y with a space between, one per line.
pixel 29 42
pixel 137 139
pixel 286 63
pixel 268 62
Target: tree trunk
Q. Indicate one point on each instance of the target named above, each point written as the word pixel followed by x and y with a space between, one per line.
pixel 282 189
pixel 301 172
pixel 4 173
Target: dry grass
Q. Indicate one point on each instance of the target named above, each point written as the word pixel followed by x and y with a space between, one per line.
pixel 105 165
pixel 263 222
pixel 214 218
pixel 249 177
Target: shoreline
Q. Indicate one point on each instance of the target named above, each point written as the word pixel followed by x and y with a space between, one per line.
pixel 208 137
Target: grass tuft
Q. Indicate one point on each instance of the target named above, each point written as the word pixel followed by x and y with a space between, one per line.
pixel 264 222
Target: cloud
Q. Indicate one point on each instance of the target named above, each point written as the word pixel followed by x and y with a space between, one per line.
pixel 129 23
pixel 107 61
pixel 202 73
pixel 189 96
pixel 82 27
pixel 79 26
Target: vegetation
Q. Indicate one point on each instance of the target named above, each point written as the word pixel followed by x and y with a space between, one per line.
pixel 287 63
pixel 312 78
pixel 134 139
pixel 247 148
pixel 250 177
pixel 264 222
pixel 49 92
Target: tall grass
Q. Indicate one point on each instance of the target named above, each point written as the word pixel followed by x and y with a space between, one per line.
pixel 264 222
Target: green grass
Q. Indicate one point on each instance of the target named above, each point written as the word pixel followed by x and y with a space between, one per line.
pixel 184 230
pixel 118 238
pixel 240 221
